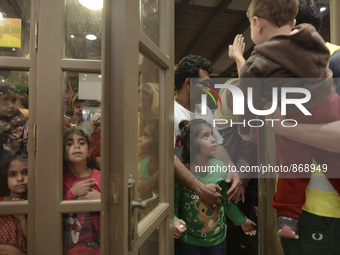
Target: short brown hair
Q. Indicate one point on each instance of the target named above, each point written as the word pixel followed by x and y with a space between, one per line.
pixel 278 12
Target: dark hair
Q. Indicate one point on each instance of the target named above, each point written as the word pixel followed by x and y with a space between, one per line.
pixel 6 157
pixel 23 98
pixel 189 67
pixel 310 13
pixel 278 12
pixel 91 162
pixel 7 88
pixel 188 129
pixel 77 100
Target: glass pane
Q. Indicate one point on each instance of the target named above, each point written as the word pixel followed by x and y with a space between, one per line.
pixel 13 110
pixel 149 19
pixel 14 28
pixel 151 245
pixel 81 233
pixel 83 25
pixel 13 234
pixel 148 119
pixel 82 136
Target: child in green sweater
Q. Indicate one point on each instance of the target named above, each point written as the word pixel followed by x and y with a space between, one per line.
pixel 200 230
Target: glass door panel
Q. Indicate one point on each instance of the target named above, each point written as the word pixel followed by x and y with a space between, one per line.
pixel 15 28
pixel 148 142
pixel 82 29
pixel 14 172
pixel 81 232
pixel 149 19
pixel 151 245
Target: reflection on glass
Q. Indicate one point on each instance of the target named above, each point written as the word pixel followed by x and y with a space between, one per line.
pixel 148 119
pixel 14 28
pixel 13 156
pixel 83 22
pixel 81 233
pixel 13 110
pixel 93 5
pixel 13 234
pixel 149 19
pixel 151 245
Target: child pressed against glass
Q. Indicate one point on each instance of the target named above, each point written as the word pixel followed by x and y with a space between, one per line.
pixel 282 52
pixel 80 181
pixel 12 121
pixel 149 150
pixel 13 187
pixel 202 231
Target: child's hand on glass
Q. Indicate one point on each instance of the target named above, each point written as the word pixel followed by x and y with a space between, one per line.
pixel 91 194
pixel 248 227
pixel 81 188
pixel 179 228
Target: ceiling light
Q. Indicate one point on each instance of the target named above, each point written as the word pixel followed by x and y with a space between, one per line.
pixel 92 4
pixel 322 9
pixel 72 36
pixel 91 37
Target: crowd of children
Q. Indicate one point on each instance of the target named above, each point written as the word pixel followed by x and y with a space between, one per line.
pixel 81 173
pixel 280 49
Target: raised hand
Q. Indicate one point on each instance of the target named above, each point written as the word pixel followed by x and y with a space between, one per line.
pixel 81 188
pixel 236 52
pixel 237 49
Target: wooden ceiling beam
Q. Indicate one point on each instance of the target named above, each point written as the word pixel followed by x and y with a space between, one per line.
pixel 219 10
pixel 181 11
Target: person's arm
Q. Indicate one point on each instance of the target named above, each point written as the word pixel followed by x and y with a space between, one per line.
pixel 208 193
pixel 233 177
pixel 323 136
pixel 23 223
pixel 236 52
pixel 9 249
pixel 149 185
pixel 22 218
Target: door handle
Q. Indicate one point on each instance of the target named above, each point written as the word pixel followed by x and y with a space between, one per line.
pixel 143 204
pixel 133 233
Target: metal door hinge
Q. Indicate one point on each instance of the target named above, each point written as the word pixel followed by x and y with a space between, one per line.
pixel 35 137
pixel 36 36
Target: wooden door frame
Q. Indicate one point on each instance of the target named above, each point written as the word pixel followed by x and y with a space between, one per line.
pixel 120 63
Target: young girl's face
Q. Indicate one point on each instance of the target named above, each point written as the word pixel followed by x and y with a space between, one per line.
pixel 8 105
pixel 17 178
pixel 206 141
pixel 145 141
pixel 76 149
pixel 78 110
